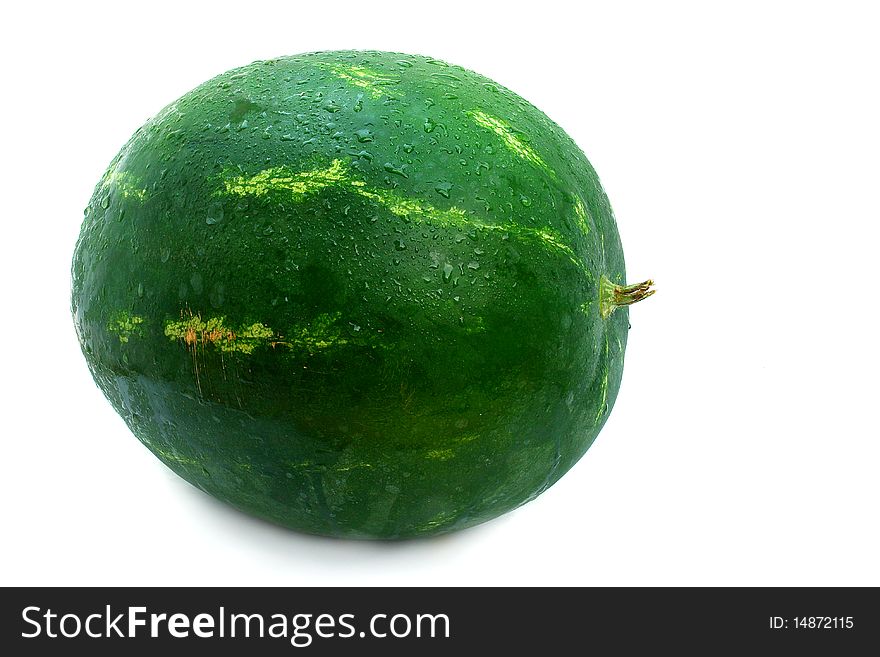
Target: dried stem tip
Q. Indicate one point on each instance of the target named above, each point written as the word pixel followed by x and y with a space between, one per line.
pixel 612 296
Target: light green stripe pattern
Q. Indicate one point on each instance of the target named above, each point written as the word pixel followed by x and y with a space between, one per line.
pixel 302 184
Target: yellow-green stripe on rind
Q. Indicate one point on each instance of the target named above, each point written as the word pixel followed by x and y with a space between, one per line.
pixel 313 466
pixel 298 184
pixel 580 213
pixel 174 458
pixel 125 324
pixel 125 184
pixel 304 183
pixel 195 331
pixel 323 332
pixel 374 82
pixel 510 139
pixel 604 385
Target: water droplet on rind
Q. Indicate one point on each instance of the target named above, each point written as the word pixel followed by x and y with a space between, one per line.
pixel 442 187
pixel 398 171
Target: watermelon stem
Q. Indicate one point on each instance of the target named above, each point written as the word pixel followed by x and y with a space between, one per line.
pixel 612 296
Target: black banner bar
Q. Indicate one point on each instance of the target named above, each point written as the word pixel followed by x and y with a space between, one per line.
pixel 391 621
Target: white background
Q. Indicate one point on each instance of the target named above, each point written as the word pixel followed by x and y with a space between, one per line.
pixel 741 151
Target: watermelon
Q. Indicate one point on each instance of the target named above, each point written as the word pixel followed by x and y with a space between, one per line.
pixel 359 294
